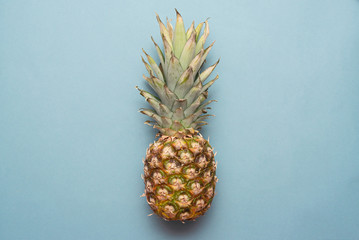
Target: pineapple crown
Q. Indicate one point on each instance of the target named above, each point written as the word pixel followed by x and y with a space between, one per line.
pixel 177 81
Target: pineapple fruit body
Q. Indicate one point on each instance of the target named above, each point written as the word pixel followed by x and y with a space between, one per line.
pixel 179 167
pixel 180 176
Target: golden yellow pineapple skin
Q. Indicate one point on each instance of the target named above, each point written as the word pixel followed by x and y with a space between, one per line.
pixel 180 176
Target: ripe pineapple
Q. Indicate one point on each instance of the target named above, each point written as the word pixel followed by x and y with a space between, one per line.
pixel 179 169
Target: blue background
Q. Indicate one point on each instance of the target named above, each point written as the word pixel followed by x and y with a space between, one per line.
pixel 286 126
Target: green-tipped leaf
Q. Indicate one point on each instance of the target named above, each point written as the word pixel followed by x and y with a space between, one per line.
pixel 184 83
pixel 205 74
pixel 179 103
pixel 159 52
pixel 193 93
pixel 170 97
pixel 152 114
pixel 179 38
pixel 174 72
pixel 154 66
pixel 190 31
pixel 197 62
pixel 207 85
pixel 166 122
pixel 148 68
pixel 146 94
pixel 191 118
pixel 198 30
pixel 178 114
pixel 165 111
pixel 169 29
pixel 164 31
pixel 188 51
pixel 202 40
pixel 176 125
pixel 194 106
pixel 205 53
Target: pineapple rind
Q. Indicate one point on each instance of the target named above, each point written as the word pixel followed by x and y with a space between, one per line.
pixel 180 176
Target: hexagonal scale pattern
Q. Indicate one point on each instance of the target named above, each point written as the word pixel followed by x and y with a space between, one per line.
pixel 180 177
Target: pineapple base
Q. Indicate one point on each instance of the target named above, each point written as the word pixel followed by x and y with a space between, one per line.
pixel 180 176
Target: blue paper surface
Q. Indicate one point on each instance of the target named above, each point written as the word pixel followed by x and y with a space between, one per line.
pixel 286 128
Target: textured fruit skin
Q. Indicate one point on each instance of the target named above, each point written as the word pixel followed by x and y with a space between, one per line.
pixel 180 177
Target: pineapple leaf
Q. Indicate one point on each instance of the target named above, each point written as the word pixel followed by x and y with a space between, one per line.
pixel 191 118
pixel 164 30
pixel 159 87
pixel 168 54
pixel 169 29
pixel 200 110
pixel 154 66
pixel 198 30
pixel 166 122
pixel 198 125
pixel 173 73
pixel 160 108
pixel 205 74
pixel 204 117
pixel 180 103
pixel 179 100
pixel 193 93
pixel 176 125
pixel 190 31
pixel 148 68
pixel 152 114
pixel 165 111
pixel 205 87
pixel 202 40
pixel 159 52
pixel 170 97
pixel 146 94
pixel 179 38
pixel 155 104
pixel 188 51
pixel 184 83
pixel 178 114
pixel 194 106
pixel 204 106
pixel 197 62
pixel 205 53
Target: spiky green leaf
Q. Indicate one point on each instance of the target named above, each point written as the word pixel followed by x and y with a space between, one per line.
pixel 174 72
pixel 190 31
pixel 148 68
pixel 164 30
pixel 207 85
pixel 170 29
pixel 166 122
pixel 204 75
pixel 176 125
pixel 198 30
pixel 178 114
pixel 202 40
pixel 193 93
pixel 194 106
pixel 152 114
pixel 197 62
pixel 159 52
pixel 179 38
pixel 184 83
pixel 154 66
pixel 179 103
pixel 188 51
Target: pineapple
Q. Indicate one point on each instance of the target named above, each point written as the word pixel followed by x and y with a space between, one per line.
pixel 179 168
